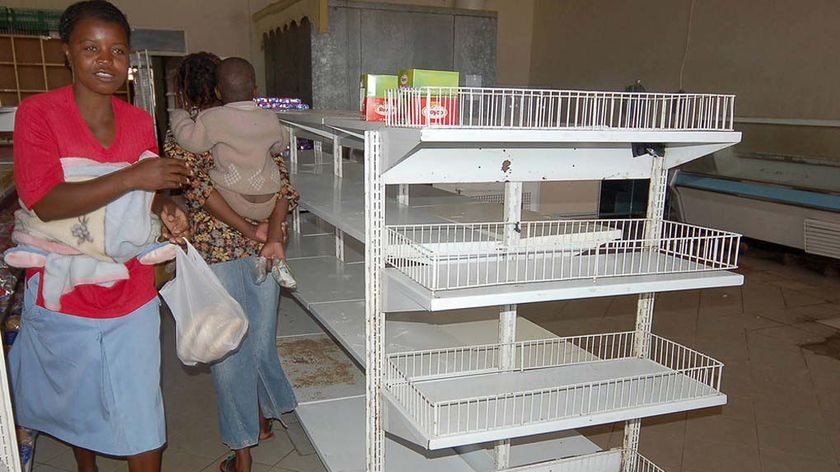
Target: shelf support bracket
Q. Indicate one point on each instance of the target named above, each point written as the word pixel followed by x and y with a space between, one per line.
pixel 318 147
pixel 339 244
pixel 645 305
pixel 293 150
pixel 507 316
pixel 337 149
pixel 513 212
pixel 374 316
pixel 402 196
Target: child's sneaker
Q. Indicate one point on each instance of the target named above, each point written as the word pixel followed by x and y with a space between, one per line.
pixel 259 269
pixel 283 274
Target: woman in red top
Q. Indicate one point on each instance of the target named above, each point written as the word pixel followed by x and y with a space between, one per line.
pixel 90 375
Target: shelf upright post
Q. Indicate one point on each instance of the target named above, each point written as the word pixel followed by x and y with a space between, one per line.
pixel 507 316
pixel 293 169
pixel 402 196
pixel 318 148
pixel 513 211
pixel 337 170
pixel 293 150
pixel 374 316
pixel 339 234
pixel 9 457
pixel 339 244
pixel 644 307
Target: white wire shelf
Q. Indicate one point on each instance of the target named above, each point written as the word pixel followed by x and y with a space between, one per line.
pixel 503 108
pixel 613 460
pixel 555 384
pixel 456 256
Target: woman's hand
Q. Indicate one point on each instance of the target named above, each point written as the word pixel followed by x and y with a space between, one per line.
pixel 176 223
pixel 261 232
pixel 158 174
pixel 254 232
pixel 273 250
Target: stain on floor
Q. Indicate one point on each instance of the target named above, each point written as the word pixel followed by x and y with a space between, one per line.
pixel 830 347
pixel 316 362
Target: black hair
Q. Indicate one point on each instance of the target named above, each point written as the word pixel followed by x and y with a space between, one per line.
pixel 197 78
pixel 98 9
pixel 236 79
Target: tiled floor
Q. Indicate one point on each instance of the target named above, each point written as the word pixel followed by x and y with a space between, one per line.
pixel 782 376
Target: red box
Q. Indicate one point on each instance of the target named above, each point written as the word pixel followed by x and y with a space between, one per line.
pixel 375 108
pixel 441 111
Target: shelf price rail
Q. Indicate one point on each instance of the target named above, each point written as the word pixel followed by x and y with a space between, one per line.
pixel 503 108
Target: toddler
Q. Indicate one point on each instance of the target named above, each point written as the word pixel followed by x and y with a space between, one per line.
pixel 242 138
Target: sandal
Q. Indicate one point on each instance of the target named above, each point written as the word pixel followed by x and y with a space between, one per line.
pixel 229 464
pixel 269 434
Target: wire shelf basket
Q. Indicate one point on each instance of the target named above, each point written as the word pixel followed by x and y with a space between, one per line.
pixel 505 108
pixel 455 256
pixel 552 380
pixel 613 460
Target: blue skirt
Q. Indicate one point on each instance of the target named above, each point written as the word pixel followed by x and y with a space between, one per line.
pixel 93 383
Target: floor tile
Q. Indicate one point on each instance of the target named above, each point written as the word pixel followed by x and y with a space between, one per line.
pixel 177 461
pixel 796 298
pixel 722 429
pixel 47 447
pixel 736 407
pixel 774 412
pixel 798 442
pixel 778 461
pixel 38 467
pixel 272 451
pixel 721 301
pixel 712 456
pixel 300 463
pixel 299 439
pixel 758 296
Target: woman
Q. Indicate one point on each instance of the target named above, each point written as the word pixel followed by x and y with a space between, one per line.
pixel 250 384
pixel 89 375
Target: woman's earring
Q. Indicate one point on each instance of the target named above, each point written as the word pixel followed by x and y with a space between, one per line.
pixel 67 64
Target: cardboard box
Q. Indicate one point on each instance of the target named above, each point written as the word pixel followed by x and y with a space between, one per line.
pixel 440 106
pixel 372 96
pixel 433 110
pixel 419 78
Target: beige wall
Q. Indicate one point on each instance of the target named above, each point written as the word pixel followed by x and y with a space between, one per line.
pixel 220 26
pixel 778 57
pixel 513 42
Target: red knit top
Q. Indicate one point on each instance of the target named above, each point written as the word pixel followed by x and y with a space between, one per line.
pixel 49 127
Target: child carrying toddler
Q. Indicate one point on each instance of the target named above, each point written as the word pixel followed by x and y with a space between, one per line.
pixel 242 138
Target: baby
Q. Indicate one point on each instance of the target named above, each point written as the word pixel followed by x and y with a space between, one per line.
pixel 242 138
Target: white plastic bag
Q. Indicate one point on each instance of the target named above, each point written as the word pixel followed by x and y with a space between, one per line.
pixel 209 323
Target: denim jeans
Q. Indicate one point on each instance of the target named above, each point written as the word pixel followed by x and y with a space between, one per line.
pixel 251 379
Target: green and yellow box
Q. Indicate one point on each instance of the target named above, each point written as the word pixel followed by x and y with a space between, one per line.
pixel 440 105
pixel 419 78
pixel 372 102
